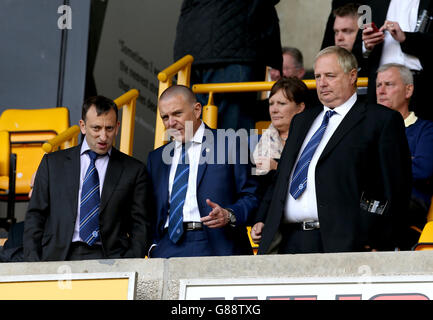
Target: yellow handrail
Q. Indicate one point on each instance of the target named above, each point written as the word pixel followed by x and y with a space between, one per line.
pixel 252 86
pixel 182 68
pixel 126 101
pixel 69 137
pixel 210 111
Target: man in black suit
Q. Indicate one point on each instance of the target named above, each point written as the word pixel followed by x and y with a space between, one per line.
pixel 89 201
pixel 344 182
pixel 405 36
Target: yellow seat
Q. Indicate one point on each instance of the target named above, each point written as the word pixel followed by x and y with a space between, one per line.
pixel 22 133
pixel 262 125
pixel 425 241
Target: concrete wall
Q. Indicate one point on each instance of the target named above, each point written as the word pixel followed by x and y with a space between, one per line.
pixel 160 278
pixel 302 25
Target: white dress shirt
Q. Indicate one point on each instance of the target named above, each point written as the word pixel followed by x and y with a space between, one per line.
pixel 405 12
pixel 305 207
pixel 101 164
pixel 191 212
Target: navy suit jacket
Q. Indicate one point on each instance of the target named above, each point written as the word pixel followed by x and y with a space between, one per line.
pixel 223 179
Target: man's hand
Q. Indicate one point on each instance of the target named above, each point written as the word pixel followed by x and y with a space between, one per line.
pixel 394 29
pixel 217 218
pixel 256 232
pixel 371 38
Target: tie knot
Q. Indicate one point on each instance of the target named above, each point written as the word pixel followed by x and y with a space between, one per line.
pixel 330 113
pixel 92 155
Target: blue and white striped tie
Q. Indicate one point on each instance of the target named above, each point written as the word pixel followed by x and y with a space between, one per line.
pixel 177 199
pixel 299 179
pixel 89 203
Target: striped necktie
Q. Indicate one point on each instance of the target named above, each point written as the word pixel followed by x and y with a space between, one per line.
pixel 177 199
pixel 299 179
pixel 89 203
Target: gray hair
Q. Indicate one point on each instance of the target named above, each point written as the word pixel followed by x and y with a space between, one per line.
pixel 346 59
pixel 405 73
pixel 296 54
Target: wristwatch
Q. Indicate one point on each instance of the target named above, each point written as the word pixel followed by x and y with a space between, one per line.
pixel 231 217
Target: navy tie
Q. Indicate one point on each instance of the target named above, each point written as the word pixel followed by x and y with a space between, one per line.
pixel 89 203
pixel 177 199
pixel 299 179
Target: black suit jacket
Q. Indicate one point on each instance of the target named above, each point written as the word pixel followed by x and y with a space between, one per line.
pixel 52 211
pixel 367 154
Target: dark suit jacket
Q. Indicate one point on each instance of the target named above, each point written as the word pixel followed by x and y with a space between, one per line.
pixel 367 154
pixel 228 185
pixel 52 211
pixel 417 44
pixel 328 37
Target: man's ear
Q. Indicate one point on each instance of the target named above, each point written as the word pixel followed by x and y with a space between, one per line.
pixel 82 126
pixel 409 91
pixel 354 76
pixel 197 110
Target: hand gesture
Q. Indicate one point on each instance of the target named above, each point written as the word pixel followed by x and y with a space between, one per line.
pixel 217 218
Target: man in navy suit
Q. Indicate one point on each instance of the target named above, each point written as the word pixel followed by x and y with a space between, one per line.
pixel 206 215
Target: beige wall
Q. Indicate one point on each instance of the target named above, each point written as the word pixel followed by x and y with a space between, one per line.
pixel 302 25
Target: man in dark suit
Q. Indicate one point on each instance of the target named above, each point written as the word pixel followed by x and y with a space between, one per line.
pixel 203 193
pixel 344 178
pixel 405 36
pixel 89 201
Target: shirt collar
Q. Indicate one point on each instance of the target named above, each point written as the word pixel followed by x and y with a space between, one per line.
pixel 344 108
pixel 85 147
pixel 410 119
pixel 197 138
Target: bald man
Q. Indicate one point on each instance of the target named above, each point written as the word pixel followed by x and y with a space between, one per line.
pixel 203 198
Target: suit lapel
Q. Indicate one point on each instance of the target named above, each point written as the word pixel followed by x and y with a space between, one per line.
pixel 72 176
pixel 112 176
pixel 305 123
pixel 300 126
pixel 165 171
pixel 207 146
pixel 356 114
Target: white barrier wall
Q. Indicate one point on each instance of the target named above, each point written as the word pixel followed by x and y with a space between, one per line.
pixel 378 276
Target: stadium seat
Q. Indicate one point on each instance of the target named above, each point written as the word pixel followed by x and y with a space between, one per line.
pixel 22 133
pixel 425 241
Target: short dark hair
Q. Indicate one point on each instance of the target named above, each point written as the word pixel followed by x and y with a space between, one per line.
pixel 293 88
pixel 349 9
pixel 102 105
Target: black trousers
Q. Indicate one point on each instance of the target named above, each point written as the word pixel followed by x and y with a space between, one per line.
pixel 299 241
pixel 82 251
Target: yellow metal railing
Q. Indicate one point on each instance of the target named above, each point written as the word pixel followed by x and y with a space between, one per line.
pixel 210 111
pixel 181 68
pixel 126 102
